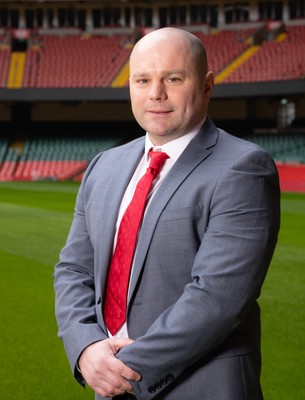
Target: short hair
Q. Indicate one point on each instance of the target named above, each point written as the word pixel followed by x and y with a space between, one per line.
pixel 199 53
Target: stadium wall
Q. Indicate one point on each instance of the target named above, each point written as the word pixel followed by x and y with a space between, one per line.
pixel 256 108
pixel 222 91
pixel 5 113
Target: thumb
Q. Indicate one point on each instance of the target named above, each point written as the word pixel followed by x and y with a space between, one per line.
pixel 118 343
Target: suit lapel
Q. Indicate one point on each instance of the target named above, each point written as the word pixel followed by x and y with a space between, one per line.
pixel 118 179
pixel 195 153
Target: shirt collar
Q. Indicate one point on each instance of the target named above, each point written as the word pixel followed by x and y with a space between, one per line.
pixel 175 147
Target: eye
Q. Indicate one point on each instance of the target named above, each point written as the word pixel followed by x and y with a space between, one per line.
pixel 142 81
pixel 174 79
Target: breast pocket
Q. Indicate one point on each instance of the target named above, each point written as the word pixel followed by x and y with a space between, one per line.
pixel 181 228
pixel 193 212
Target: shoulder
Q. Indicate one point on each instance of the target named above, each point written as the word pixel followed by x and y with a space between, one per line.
pixel 240 144
pixel 114 154
pixel 125 148
pixel 227 145
pixel 235 148
pixel 244 162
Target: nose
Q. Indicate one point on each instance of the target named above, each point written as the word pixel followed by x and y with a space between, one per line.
pixel 157 90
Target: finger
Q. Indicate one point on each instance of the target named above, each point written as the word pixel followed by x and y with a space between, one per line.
pixel 126 372
pixel 113 371
pixel 108 391
pixel 111 385
pixel 117 344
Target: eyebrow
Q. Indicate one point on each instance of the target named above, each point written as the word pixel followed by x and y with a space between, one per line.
pixel 163 73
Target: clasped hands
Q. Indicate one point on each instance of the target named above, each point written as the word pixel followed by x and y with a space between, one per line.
pixel 103 372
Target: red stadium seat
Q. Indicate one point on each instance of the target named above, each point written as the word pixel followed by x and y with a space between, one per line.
pixel 275 60
pixel 5 55
pixel 74 61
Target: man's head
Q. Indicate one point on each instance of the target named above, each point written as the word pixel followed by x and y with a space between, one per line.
pixel 170 86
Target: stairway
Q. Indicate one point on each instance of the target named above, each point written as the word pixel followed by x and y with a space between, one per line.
pixel 16 69
pixel 236 64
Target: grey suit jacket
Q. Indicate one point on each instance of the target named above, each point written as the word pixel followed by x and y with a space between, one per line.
pixel 202 255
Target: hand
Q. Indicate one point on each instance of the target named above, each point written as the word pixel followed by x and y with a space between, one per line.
pixel 103 372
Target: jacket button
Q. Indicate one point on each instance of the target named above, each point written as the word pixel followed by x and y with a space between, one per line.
pixel 164 381
pixel 151 389
pixel 170 377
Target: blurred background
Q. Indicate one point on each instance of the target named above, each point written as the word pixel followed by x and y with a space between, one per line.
pixel 64 98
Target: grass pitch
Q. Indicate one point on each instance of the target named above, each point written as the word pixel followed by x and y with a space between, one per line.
pixel 35 219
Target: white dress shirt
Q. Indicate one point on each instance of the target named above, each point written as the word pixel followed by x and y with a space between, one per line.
pixel 173 149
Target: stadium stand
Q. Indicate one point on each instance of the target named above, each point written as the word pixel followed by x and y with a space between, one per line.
pixel 288 148
pixel 5 56
pixel 224 46
pixel 3 149
pixel 79 60
pixel 16 70
pixel 276 60
pixel 60 55
pixel 58 158
pixel 71 58
pixel 75 61
pixel 64 158
pixel 8 165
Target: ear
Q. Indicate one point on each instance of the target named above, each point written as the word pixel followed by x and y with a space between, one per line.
pixel 209 83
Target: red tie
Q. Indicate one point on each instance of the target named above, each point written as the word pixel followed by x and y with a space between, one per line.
pixel 115 302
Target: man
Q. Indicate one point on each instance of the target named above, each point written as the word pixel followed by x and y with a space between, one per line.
pixel 192 328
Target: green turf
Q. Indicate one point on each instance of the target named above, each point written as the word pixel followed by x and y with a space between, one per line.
pixel 35 218
pixel 283 311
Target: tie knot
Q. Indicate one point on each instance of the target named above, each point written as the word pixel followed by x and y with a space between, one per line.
pixel 157 160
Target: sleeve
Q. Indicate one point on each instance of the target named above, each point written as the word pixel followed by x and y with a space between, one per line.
pixel 75 289
pixel 227 274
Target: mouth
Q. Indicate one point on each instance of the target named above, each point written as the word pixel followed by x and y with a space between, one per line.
pixel 159 112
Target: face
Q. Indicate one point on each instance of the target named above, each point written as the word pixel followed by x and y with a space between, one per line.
pixel 168 96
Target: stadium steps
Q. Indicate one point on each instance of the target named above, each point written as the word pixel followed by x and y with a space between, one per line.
pixel 18 145
pixel 282 36
pixel 236 64
pixel 16 69
pixel 122 78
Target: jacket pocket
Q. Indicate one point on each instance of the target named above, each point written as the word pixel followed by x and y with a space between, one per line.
pixel 193 212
